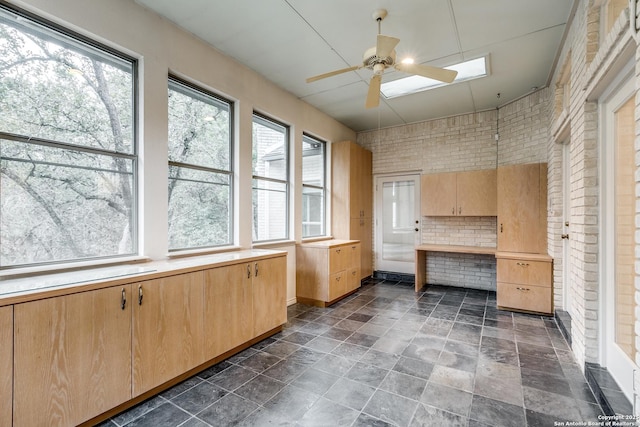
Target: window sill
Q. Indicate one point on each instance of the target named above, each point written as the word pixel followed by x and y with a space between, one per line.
pixel 316 239
pixel 45 269
pixel 271 245
pixel 203 251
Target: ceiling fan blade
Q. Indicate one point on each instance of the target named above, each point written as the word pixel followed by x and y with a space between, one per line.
pixel 385 45
pixel 428 71
pixel 333 73
pixel 373 96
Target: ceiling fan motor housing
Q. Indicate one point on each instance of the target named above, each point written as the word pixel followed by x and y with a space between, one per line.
pixel 370 60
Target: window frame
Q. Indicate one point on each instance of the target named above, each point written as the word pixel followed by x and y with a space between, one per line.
pixel 70 39
pixel 275 125
pixel 305 138
pixel 200 91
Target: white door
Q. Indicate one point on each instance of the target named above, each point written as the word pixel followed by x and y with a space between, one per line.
pixel 397 222
pixel 566 225
pixel 618 230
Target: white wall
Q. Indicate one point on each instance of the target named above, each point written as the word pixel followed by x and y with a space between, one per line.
pixel 163 48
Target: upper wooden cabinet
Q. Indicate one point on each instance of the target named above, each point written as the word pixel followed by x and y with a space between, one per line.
pixel 522 208
pixel 352 199
pixel 73 357
pixel 168 329
pixel 470 193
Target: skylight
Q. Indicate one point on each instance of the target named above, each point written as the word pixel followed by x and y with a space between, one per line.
pixel 467 70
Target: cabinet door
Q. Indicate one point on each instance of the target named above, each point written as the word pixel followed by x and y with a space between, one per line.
pixel 6 365
pixel 519 225
pixel 477 193
pixel 73 357
pixel 438 194
pixel 167 329
pixel 228 308
pixel 361 230
pixel 269 294
pixel 365 185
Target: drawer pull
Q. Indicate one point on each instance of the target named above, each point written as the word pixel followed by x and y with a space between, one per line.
pixel 248 271
pixel 337 251
pixel 524 289
pixel 523 264
pixel 338 279
pixel 140 295
pixel 256 268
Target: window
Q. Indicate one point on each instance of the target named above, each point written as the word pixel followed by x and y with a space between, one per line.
pixel 67 146
pixel 200 174
pixel 270 180
pixel 313 187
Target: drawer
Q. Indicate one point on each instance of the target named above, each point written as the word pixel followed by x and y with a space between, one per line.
pixel 339 258
pixel 354 251
pixel 337 285
pixel 524 272
pixel 353 279
pixel 525 297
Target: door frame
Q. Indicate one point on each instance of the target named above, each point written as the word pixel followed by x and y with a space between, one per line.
pixel 567 297
pixel 396 266
pixel 621 367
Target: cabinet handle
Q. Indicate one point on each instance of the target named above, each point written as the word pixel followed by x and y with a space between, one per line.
pixel 248 271
pixel 523 264
pixel 123 301
pixel 338 279
pixel 501 228
pixel 353 273
pixel 453 210
pixel 140 295
pixel 460 210
pixel 524 289
pixel 256 268
pixel 337 251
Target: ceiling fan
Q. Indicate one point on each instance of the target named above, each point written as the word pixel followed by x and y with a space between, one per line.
pixel 383 56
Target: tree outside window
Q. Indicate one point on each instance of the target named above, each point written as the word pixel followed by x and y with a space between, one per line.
pixel 200 174
pixel 67 146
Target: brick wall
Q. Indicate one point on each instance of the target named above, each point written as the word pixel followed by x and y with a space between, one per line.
pixel 463 143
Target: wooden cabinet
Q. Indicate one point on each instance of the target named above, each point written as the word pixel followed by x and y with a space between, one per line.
pixel 524 270
pixel 522 208
pixel 73 357
pixel 243 301
pixel 352 199
pixel 525 282
pixel 269 294
pixel 327 270
pixel 470 193
pixel 6 365
pixel 228 308
pixel 168 329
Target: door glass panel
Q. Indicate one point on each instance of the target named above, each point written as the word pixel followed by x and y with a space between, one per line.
pixel 625 228
pixel 398 221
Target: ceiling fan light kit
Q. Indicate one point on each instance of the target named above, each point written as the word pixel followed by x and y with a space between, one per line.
pixel 383 56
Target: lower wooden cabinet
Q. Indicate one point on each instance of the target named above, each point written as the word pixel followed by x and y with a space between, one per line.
pixel 525 282
pixel 168 329
pixel 6 365
pixel 228 308
pixel 327 270
pixel 72 357
pixel 269 296
pixel 75 357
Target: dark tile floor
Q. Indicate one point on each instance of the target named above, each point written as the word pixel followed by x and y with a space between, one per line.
pixel 388 356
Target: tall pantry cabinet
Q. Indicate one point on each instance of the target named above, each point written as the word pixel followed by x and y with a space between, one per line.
pixel 524 269
pixel 352 200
